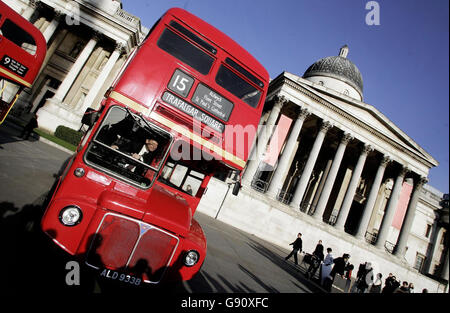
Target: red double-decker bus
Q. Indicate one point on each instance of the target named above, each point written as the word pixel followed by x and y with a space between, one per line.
pixel 22 52
pixel 126 200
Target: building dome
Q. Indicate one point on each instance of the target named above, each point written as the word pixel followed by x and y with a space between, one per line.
pixel 337 67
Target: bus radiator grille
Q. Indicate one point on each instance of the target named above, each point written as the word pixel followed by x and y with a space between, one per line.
pixel 132 246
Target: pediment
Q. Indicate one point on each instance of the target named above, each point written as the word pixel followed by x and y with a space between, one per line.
pixel 366 115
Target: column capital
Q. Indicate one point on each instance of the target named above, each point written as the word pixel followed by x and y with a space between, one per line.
pixel 421 181
pixel 303 114
pixel 96 35
pixel 366 149
pixel 385 160
pixel 325 126
pixel 346 138
pixel 58 15
pixel 404 170
pixel 280 101
pixel 34 3
pixel 118 46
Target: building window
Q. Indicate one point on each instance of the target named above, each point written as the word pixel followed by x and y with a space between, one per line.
pixel 420 260
pixel 428 231
pixel 76 49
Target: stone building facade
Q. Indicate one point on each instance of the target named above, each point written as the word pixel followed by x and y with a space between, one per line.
pixel 87 44
pixel 345 174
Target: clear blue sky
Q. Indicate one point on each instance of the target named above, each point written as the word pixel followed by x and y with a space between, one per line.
pixel 404 61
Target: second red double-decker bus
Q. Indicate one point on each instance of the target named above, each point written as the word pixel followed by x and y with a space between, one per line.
pixel 126 200
pixel 22 52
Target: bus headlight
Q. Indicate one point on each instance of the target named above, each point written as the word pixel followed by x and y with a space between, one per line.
pixel 70 215
pixel 79 172
pixel 191 258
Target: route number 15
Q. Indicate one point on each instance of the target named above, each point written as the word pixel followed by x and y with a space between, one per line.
pixel 181 83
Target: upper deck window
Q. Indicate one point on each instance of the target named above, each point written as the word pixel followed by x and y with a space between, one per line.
pixel 238 86
pixel 18 36
pixel 193 37
pixel 185 51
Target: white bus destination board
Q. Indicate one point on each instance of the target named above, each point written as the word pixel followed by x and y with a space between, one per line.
pixel 212 102
pixel 189 109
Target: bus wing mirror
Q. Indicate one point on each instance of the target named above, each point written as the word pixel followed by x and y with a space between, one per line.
pixel 90 117
pixel 236 188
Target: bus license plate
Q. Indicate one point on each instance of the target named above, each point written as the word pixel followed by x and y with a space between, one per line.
pixel 125 278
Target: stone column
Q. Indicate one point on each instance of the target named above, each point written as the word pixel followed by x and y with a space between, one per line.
pixel 75 70
pixel 93 92
pixel 309 166
pixel 321 184
pixel 368 208
pixel 28 13
pixel 408 219
pixel 431 245
pixel 350 194
pixel 264 136
pixel 444 273
pixel 51 28
pixel 321 205
pixel 289 150
pixel 390 210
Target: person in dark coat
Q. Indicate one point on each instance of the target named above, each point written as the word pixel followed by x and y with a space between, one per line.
pixel 389 284
pixel 125 135
pixel 403 289
pixel 146 155
pixel 316 259
pixel 365 280
pixel 296 247
pixel 28 129
pixel 338 268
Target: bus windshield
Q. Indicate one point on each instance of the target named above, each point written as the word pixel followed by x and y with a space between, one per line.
pixel 127 147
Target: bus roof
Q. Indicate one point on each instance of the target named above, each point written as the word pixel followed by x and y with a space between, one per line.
pixel 221 40
pixel 26 65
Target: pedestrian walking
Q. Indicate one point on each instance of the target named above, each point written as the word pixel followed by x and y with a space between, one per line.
pixel 338 268
pixel 316 259
pixel 365 279
pixel 348 276
pixel 403 289
pixel 389 284
pixel 296 247
pixel 376 287
pixel 28 129
pixel 326 266
pixel 411 288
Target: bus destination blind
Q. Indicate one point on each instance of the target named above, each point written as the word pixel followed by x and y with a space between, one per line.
pixel 212 102
pixel 199 115
pixel 14 66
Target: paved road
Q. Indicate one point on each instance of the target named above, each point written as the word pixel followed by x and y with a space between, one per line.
pixel 236 261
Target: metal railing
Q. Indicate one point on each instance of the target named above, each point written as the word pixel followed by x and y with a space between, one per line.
pixel 284 197
pixel 389 246
pixel 260 185
pixel 371 238
pixel 332 219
